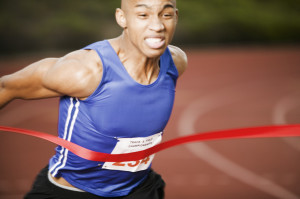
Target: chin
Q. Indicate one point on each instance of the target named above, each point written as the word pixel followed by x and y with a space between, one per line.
pixel 154 53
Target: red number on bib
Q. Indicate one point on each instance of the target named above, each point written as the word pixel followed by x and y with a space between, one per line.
pixel 145 161
pixel 134 165
pixel 119 164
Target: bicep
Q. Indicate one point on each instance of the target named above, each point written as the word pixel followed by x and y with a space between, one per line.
pixel 77 74
pixel 64 77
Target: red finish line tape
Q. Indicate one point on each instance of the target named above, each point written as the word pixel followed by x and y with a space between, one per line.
pixel 252 132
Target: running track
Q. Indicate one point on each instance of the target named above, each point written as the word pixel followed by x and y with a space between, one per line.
pixel 222 89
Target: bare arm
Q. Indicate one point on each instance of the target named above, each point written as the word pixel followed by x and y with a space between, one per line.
pixel 180 59
pixel 27 83
pixel 76 74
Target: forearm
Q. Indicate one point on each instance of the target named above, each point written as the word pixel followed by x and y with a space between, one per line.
pixel 8 92
pixel 5 97
pixel 26 83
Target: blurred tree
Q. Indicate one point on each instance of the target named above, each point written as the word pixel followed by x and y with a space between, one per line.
pixel 33 25
pixel 53 24
pixel 240 21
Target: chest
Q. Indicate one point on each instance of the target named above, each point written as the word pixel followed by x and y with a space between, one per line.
pixel 123 109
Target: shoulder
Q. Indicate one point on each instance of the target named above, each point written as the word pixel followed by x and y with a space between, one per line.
pixel 80 61
pixel 76 74
pixel 179 58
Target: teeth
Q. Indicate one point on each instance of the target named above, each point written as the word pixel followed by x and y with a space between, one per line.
pixel 154 40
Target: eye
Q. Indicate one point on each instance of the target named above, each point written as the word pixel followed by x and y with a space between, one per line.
pixel 167 15
pixel 142 15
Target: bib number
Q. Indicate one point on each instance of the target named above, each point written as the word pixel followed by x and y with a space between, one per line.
pixel 129 145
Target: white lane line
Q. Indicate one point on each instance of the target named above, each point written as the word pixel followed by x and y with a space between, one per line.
pixel 203 105
pixel 279 116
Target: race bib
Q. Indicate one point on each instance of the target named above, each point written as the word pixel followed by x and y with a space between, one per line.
pixel 129 145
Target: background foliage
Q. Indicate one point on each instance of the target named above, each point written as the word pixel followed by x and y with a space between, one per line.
pixel 32 25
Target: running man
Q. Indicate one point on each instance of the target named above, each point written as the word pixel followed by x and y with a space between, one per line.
pixel 116 96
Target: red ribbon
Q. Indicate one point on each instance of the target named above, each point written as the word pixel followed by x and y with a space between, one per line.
pixel 252 132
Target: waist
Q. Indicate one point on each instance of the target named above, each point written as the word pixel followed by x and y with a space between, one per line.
pixel 62 183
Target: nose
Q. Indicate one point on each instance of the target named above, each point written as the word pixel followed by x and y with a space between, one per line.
pixel 156 24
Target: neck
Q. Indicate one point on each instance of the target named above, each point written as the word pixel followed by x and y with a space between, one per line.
pixel 141 68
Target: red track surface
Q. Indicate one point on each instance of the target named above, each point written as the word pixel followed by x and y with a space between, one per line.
pixel 222 89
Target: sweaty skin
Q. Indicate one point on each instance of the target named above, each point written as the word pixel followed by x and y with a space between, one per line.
pixel 148 28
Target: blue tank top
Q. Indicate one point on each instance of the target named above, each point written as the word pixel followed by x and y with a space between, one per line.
pixel 121 116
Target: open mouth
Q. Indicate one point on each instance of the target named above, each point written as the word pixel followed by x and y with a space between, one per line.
pixel 155 42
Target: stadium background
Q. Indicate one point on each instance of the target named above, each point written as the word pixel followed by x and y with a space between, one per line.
pixel 244 70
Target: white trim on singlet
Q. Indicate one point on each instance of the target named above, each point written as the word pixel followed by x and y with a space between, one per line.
pixel 67 136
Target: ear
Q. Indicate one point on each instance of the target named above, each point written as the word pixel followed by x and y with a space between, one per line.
pixel 177 14
pixel 120 18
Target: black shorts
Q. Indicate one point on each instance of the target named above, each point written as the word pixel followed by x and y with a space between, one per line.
pixel 151 188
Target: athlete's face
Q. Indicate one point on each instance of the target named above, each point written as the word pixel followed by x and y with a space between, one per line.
pixel 149 25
